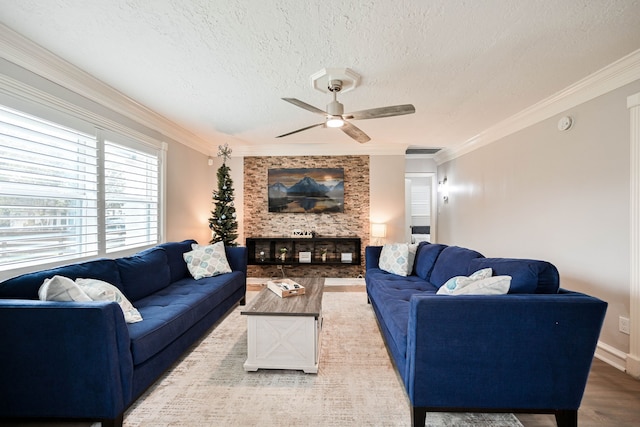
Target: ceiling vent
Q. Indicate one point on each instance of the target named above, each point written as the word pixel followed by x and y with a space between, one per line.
pixel 422 151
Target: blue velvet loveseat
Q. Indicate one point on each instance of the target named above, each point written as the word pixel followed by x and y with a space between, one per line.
pixel 81 360
pixel 528 351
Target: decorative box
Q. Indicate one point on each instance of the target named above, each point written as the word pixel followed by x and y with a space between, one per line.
pixel 304 257
pixel 285 288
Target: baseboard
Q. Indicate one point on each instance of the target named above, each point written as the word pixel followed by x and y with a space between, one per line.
pixel 611 356
pixel 633 366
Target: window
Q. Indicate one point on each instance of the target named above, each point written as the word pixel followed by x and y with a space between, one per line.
pixel 131 197
pixel 420 201
pixel 54 204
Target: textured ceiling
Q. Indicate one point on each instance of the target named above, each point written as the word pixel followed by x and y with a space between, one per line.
pixel 220 67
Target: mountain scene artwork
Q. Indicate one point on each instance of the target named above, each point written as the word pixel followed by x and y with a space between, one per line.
pixel 306 190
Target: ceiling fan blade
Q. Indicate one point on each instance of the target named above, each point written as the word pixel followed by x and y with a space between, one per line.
pixel 376 113
pixel 355 132
pixel 300 130
pixel 304 105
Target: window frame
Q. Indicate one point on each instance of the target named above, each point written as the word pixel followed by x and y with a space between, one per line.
pixel 40 104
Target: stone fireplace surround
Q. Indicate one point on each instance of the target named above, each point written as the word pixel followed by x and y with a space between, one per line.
pixel 354 221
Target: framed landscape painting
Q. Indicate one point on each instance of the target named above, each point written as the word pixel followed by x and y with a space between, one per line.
pixel 306 190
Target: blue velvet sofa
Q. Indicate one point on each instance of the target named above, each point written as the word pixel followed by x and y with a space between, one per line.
pixel 80 360
pixel 528 351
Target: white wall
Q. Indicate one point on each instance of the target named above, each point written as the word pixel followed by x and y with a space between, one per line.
pixel 190 184
pixel 387 195
pixel 557 196
pixel 420 164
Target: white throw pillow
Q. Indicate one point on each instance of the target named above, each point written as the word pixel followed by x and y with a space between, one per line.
pixel 60 288
pixel 459 282
pixel 207 261
pixel 496 285
pixel 394 258
pixel 99 290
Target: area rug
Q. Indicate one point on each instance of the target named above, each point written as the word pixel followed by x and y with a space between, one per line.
pixel 356 384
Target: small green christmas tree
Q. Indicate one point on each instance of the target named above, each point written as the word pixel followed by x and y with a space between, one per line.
pixel 223 221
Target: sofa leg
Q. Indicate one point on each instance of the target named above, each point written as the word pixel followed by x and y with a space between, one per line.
pixel 113 422
pixel 567 418
pixel 418 416
pixel 243 301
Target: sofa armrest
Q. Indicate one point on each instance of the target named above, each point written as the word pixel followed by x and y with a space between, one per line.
pixel 64 359
pixel 372 256
pixel 237 256
pixel 505 351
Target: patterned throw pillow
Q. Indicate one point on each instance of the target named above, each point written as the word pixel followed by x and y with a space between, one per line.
pixel 207 261
pixel 479 283
pixel 458 282
pixel 99 290
pixel 496 285
pixel 394 258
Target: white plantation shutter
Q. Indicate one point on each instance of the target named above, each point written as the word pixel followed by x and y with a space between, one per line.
pixel 420 201
pixel 48 191
pixel 131 197
pixel 66 194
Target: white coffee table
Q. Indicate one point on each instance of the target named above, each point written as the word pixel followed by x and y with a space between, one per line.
pixel 284 333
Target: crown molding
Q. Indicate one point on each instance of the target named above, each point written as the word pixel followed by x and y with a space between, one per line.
pixel 23 52
pixel 624 71
pixel 320 149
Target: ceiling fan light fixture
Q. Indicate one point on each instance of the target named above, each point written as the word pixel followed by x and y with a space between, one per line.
pixel 335 122
pixel 334 116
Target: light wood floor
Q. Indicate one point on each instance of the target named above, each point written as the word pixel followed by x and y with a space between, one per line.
pixel 611 399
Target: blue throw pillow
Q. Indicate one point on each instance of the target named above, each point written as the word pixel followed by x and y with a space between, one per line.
pixel 452 261
pixel 528 276
pixel 425 258
pixel 174 251
pixel 144 273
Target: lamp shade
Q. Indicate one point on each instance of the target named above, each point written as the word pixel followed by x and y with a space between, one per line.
pixel 378 230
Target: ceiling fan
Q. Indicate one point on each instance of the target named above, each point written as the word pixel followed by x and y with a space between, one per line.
pixel 335 117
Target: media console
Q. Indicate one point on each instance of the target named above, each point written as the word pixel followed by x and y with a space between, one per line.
pixel 336 250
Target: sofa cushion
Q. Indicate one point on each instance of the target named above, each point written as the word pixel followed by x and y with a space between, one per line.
pixel 392 294
pixel 376 277
pixel 99 290
pixel 527 276
pixel 26 286
pixel 452 261
pixel 171 311
pixel 60 288
pixel 207 261
pixel 174 250
pixel 144 273
pixel 426 256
